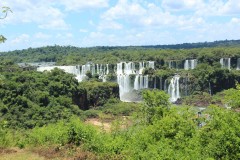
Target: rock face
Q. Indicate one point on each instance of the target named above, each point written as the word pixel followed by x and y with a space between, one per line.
pixel 98 93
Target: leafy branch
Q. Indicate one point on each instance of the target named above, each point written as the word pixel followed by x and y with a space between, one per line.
pixel 5 11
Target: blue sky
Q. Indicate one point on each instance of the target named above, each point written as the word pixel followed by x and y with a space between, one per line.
pixel 86 23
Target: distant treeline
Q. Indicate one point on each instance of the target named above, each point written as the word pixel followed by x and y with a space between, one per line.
pixel 69 55
pixel 222 43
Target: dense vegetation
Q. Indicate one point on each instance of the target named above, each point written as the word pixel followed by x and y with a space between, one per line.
pixel 69 55
pixel 160 131
pixel 49 109
pixel 30 98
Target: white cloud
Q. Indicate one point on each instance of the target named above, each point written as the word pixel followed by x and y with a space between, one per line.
pixel 65 36
pixel 83 4
pixel 124 9
pixel 90 22
pixel 109 25
pixel 179 5
pixel 24 38
pixel 235 21
pixel 150 16
pixel 57 24
pixel 83 30
pixel 69 35
pixel 203 7
pixel 231 7
pixel 41 35
pixel 39 12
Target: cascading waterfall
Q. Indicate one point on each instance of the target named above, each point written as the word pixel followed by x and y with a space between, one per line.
pixel 123 78
pixel 124 84
pixel 141 82
pixel 129 78
pixel 107 69
pixel 165 85
pixel 151 64
pixel 141 67
pixel 190 64
pixel 173 89
pixel 172 65
pixel 226 63
pixel 80 71
pixel 127 69
pixel 238 64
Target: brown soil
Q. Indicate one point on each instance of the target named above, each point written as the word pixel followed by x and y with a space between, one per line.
pixel 106 125
pixel 7 151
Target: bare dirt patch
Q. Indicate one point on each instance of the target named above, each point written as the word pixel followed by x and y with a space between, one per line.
pixel 104 125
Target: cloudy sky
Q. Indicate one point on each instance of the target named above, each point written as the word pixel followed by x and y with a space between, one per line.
pixel 85 23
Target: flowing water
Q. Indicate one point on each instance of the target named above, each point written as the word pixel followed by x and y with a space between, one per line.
pixel 173 89
pixel 190 64
pixel 130 77
pixel 226 63
pixel 238 64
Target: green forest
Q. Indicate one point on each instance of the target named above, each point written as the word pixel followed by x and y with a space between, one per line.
pixel 51 113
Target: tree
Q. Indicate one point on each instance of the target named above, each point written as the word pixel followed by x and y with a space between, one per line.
pixel 4 11
pixel 232 97
pixel 156 103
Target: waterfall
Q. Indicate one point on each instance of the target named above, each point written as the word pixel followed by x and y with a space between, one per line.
pixel 126 71
pixel 185 85
pixel 190 64
pixel 123 78
pixel 120 68
pixel 226 63
pixel 171 64
pixel 129 68
pixel 124 84
pixel 165 85
pixel 141 82
pixel 151 64
pixel 173 88
pixel 80 71
pixel 93 69
pixel 141 67
pixel 238 64
pixel 210 88
pixel 107 69
pixel 145 79
pixel 136 83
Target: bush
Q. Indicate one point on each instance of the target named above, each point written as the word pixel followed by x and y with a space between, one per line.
pixel 115 107
pixel 91 113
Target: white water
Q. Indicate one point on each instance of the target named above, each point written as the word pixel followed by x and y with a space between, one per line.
pixel 80 71
pixel 190 64
pixel 226 63
pixel 238 64
pixel 141 82
pixel 124 70
pixel 173 88
pixel 172 65
pixel 129 78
